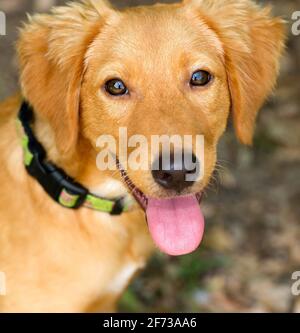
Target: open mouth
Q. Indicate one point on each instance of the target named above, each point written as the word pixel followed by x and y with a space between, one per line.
pixel 176 224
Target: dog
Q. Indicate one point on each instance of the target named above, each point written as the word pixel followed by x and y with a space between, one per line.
pixel 87 69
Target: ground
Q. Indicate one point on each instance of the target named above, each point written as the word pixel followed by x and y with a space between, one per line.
pixel 252 242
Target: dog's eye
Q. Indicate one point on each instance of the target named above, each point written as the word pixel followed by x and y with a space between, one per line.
pixel 116 87
pixel 200 78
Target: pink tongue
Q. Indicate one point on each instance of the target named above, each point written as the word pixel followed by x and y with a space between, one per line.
pixel 176 225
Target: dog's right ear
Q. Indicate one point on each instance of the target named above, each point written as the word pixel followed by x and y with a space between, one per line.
pixel 51 52
pixel 253 42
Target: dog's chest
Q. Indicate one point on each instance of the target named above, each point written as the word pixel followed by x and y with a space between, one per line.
pixel 120 281
pixel 121 249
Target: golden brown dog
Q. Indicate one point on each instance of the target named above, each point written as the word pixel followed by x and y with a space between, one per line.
pixel 88 69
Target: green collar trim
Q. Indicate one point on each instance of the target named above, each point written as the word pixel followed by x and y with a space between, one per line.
pixel 69 200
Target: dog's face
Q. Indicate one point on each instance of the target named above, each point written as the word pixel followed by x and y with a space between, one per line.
pixel 171 77
pixel 163 70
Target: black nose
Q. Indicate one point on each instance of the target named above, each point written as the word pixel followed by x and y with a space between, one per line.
pixel 175 175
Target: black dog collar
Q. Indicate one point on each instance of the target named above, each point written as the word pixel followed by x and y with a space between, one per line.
pixel 59 186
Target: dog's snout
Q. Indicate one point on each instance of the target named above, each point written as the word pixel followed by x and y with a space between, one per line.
pixel 174 175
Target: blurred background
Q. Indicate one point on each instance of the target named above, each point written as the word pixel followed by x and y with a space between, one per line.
pixel 252 242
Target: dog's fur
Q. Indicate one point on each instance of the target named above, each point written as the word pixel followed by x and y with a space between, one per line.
pixel 60 260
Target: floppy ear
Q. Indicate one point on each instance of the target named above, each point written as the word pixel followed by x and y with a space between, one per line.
pixel 253 42
pixel 51 52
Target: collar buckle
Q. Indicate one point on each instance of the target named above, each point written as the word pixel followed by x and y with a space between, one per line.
pixel 62 188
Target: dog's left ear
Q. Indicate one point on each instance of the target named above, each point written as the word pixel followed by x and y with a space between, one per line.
pixel 51 52
pixel 253 42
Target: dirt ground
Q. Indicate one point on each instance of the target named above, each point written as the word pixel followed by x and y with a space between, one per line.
pixel 252 242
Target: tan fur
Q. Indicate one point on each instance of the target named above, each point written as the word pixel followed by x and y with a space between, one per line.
pixel 60 260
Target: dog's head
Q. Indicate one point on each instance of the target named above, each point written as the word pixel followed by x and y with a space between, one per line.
pixel 175 70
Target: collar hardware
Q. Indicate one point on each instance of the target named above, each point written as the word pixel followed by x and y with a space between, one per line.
pixel 60 187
